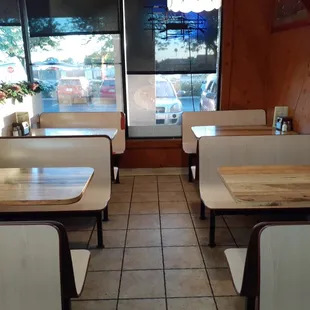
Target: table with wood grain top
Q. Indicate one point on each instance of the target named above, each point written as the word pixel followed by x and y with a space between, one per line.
pixel 217 131
pixel 268 186
pixel 43 186
pixel 75 132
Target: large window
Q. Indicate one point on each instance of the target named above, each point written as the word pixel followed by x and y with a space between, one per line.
pixel 76 54
pixel 80 72
pixel 88 54
pixel 171 60
pixel 12 56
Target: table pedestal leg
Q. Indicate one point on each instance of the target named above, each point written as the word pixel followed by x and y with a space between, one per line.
pixel 106 213
pixel 100 244
pixel 202 211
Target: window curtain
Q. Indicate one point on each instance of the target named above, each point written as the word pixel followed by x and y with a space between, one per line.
pixel 64 17
pixel 9 14
pixel 161 41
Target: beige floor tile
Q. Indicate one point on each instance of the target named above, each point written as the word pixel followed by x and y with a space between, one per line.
pixel 192 196
pixel 116 222
pixel 94 305
pixel 101 285
pixel 126 179
pixel 184 177
pixel 222 236
pixel 171 196
pixel 214 257
pixel 230 303
pixel 106 259
pixel 119 208
pixel 143 258
pixel 120 188
pixel 187 283
pixel 176 221
pixel 182 257
pixel 143 238
pixel 78 223
pixel 146 179
pixel 111 239
pixel 142 304
pixel 206 223
pixel 241 235
pixel 170 187
pixel 79 239
pixel 142 284
pixel 120 197
pixel 145 187
pixel 173 207
pixel 202 303
pixel 144 208
pixel 144 196
pixel 221 282
pixel 179 237
pixel 190 187
pixel 169 179
pixel 194 207
pixel 149 221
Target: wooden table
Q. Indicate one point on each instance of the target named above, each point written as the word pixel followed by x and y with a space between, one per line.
pixel 268 185
pixel 43 186
pixel 216 131
pixel 263 190
pixel 75 132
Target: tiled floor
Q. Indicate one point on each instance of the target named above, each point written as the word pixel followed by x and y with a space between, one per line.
pixel 156 255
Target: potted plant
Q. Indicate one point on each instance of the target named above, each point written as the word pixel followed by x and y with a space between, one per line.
pixel 17 91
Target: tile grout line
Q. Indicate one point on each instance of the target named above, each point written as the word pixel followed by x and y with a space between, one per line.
pixel 236 244
pixel 162 247
pixel 204 263
pixel 124 248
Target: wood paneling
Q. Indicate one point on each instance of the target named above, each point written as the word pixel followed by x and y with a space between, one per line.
pixel 246 30
pixel 289 76
pixel 307 4
pixel 154 154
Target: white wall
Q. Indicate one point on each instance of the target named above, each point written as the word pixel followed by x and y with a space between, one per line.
pixel 32 105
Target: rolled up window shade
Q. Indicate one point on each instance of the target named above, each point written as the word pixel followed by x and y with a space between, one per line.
pixel 61 17
pixel 9 14
pixel 162 41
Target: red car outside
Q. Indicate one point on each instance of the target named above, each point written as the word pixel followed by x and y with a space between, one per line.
pixel 70 88
pixel 107 89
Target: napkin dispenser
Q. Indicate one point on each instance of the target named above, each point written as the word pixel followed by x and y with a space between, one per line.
pixel 23 127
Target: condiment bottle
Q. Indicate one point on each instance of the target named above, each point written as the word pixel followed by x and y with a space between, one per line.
pixel 15 132
pixel 284 127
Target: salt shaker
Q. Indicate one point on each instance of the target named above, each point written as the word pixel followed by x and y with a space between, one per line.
pixel 15 132
pixel 284 127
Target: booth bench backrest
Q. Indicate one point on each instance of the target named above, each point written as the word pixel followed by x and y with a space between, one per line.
pixel 94 152
pixel 89 120
pixel 36 269
pixel 215 152
pixel 219 118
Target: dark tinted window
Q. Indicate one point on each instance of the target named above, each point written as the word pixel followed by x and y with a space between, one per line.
pixel 56 17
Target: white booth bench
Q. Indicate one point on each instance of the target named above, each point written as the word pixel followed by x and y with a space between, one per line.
pixel 215 152
pixel 220 118
pixel 63 152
